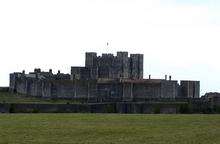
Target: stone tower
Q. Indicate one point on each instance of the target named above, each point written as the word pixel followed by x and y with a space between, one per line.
pixel 91 59
pixel 109 66
pixel 123 64
pixel 190 89
pixel 136 64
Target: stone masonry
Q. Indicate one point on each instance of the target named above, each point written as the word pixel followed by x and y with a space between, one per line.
pixel 103 79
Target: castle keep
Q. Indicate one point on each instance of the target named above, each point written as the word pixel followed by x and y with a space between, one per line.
pixel 103 79
pixel 109 66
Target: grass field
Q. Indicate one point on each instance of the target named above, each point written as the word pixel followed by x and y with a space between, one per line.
pixel 109 129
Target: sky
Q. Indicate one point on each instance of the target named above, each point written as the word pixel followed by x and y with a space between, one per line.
pixel 177 37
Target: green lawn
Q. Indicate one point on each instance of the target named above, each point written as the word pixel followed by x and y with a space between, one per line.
pixel 109 128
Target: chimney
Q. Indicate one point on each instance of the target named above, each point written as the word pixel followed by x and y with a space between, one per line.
pixel 149 76
pixel 50 70
pixel 170 78
pixel 23 72
pixel 165 77
pixel 58 72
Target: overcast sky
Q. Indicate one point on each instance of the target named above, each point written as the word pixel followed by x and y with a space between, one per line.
pixel 177 37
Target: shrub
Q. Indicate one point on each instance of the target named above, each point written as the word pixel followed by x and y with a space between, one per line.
pixel 157 109
pixel 217 109
pixel 35 110
pixel 12 108
pixel 184 109
pixel 109 108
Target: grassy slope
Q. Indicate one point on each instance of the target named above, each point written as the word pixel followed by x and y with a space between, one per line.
pixel 109 128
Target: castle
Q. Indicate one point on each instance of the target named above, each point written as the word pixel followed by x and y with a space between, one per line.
pixel 104 78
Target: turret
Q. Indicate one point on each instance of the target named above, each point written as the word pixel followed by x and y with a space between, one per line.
pixel 91 59
pixel 136 63
pixel 123 64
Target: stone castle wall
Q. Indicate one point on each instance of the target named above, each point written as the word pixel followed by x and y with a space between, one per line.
pixel 101 89
pixel 104 78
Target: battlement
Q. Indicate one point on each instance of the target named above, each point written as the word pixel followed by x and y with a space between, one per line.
pixel 38 74
pixel 109 66
pixel 103 78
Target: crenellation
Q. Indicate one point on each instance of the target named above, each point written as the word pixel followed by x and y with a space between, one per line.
pixel 119 66
pixel 103 78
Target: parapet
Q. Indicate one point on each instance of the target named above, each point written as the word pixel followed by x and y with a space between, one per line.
pixel 122 54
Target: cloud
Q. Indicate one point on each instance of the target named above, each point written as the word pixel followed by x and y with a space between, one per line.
pixel 176 37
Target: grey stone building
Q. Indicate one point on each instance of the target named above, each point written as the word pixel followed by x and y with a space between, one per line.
pixel 104 78
pixel 109 66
